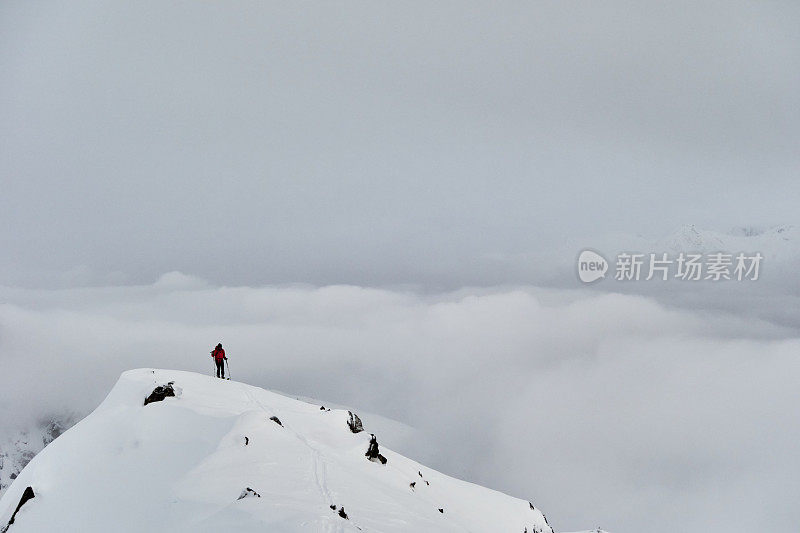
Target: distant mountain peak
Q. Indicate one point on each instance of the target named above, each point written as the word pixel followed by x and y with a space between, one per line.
pixel 688 238
pixel 775 242
pixel 20 445
pixel 756 231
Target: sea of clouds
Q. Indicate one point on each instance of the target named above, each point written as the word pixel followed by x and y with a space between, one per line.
pixel 604 409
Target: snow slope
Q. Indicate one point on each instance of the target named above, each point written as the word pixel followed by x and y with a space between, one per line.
pixel 181 464
pixel 20 445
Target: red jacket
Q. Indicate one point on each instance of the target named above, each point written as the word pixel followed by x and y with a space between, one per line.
pixel 218 354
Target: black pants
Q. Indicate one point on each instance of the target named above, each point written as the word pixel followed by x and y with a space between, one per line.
pixel 220 368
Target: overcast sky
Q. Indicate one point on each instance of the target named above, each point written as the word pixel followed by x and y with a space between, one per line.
pixel 378 143
pixel 212 168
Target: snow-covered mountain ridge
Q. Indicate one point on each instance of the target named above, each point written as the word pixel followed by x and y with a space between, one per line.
pixel 222 455
pixel 777 242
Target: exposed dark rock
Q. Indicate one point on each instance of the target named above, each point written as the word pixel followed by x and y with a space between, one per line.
pixel 532 507
pixel 373 454
pixel 420 473
pixel 354 423
pixel 413 484
pixel 23 446
pixel 441 510
pixel 246 441
pixel 26 495
pixel 321 407
pixel 53 429
pixel 248 493
pixel 160 392
pixel 276 420
pixel 428 483
pixel 343 514
pixel 333 507
pixel 372 450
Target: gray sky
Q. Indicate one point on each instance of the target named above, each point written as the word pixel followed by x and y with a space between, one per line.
pixel 381 143
pixel 410 150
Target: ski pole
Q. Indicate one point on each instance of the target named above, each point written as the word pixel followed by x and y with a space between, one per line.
pixel 229 368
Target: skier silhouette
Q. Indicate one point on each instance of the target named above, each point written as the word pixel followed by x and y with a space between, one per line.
pixel 219 358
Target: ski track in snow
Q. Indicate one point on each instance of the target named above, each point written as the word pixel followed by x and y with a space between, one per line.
pixel 319 470
pixel 325 470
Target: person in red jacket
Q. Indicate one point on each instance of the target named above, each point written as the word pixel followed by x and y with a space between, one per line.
pixel 219 358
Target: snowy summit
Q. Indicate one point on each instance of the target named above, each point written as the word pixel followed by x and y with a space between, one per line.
pixel 177 451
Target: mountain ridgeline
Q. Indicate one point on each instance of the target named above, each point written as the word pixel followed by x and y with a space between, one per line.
pixel 178 451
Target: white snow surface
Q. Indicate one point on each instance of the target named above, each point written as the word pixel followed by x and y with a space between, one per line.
pixel 20 445
pixel 181 464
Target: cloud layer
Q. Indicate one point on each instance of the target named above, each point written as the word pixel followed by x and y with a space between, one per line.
pixel 603 409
